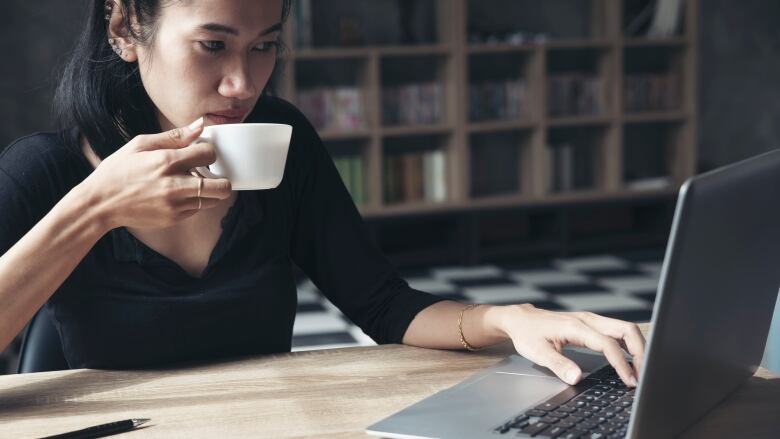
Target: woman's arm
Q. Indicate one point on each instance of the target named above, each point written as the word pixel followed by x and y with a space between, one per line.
pixel 40 262
pixel 537 334
pixel 144 184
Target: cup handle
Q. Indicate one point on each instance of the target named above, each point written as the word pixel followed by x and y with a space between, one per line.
pixel 204 171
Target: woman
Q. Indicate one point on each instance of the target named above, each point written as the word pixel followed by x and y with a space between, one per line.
pixel 139 262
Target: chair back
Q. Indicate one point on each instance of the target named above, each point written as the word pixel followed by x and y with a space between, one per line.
pixel 41 346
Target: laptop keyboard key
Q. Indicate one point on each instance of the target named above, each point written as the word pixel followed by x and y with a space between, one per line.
pixel 552 432
pixel 520 422
pixel 534 429
pixel 536 413
pixel 588 424
pixel 549 419
pixel 566 424
pixel 547 407
pixel 503 429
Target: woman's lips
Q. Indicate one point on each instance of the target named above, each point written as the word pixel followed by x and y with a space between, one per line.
pixel 219 119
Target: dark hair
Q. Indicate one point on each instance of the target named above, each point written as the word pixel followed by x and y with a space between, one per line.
pixel 103 95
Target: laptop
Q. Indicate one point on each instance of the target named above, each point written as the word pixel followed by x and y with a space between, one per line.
pixel 716 295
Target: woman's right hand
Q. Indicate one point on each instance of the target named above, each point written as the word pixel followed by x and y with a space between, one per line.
pixel 147 182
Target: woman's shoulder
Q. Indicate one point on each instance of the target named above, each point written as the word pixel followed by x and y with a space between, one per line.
pixel 273 109
pixel 41 143
pixel 39 154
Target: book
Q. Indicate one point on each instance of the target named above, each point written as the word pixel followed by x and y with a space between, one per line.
pixel 412 180
pixel 434 185
pixel 413 104
pixel 358 185
pixel 338 108
pixel 388 179
pixel 342 165
pixel 651 92
pixel 575 95
pixel 666 19
pixel 497 100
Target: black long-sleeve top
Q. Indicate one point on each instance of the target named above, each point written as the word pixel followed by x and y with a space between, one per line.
pixel 125 305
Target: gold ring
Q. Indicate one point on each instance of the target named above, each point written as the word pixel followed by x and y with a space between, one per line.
pixel 200 186
pixel 200 200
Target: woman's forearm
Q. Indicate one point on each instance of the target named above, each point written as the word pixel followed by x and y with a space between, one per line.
pixel 33 269
pixel 436 326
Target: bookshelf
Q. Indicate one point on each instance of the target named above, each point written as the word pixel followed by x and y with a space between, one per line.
pixel 517 109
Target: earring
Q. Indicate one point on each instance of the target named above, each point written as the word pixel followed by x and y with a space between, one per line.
pixel 114 46
pixel 109 6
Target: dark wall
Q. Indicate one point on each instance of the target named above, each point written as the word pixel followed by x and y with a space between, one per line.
pixel 739 94
pixel 35 37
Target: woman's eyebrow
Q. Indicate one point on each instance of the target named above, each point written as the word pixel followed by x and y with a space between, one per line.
pixel 216 27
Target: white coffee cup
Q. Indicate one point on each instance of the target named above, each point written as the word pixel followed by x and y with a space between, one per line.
pixel 251 155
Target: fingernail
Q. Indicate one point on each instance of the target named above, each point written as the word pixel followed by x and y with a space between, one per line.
pixel 195 125
pixel 632 381
pixel 571 376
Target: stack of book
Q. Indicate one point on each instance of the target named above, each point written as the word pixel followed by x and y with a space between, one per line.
pixel 497 100
pixel 651 92
pixel 350 168
pixel 339 108
pixel 413 104
pixel 415 176
pixel 571 167
pixel 575 95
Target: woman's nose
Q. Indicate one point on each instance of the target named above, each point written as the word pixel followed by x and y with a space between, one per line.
pixel 237 83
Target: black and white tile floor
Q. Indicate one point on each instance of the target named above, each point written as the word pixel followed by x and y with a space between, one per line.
pixel 621 286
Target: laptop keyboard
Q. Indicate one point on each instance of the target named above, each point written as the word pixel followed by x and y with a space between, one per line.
pixel 598 407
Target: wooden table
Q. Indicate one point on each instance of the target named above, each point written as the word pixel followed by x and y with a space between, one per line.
pixel 328 393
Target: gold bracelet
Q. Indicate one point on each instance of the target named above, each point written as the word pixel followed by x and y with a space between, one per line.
pixel 460 327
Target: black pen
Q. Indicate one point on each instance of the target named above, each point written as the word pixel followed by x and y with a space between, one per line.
pixel 101 430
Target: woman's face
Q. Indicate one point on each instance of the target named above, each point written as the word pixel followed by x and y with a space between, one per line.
pixel 210 56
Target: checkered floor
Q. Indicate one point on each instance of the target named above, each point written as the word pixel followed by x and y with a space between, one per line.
pixel 621 286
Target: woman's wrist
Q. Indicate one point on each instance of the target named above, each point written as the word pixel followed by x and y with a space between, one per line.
pixel 483 325
pixel 93 203
pixel 501 316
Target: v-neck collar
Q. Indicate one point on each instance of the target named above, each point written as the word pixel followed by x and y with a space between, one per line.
pixel 246 212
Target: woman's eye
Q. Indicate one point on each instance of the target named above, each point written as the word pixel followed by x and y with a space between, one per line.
pixel 267 46
pixel 212 46
pixel 216 46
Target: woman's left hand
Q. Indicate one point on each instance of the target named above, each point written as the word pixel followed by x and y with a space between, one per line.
pixel 539 335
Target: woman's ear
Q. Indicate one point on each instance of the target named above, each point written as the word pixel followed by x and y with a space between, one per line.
pixel 118 35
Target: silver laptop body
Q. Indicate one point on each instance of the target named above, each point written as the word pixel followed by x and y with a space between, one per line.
pixel 716 296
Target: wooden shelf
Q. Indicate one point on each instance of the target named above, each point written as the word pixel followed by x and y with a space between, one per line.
pixel 576 121
pixel 501 48
pixel 457 65
pixel 365 52
pixel 650 42
pixel 513 200
pixel 437 49
pixel 415 130
pixel 344 135
pixel 654 116
pixel 578 44
pixel 500 125
pixel 401 209
pixel 336 53
pixel 528 47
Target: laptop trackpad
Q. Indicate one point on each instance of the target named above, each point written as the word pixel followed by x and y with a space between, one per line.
pixel 471 409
